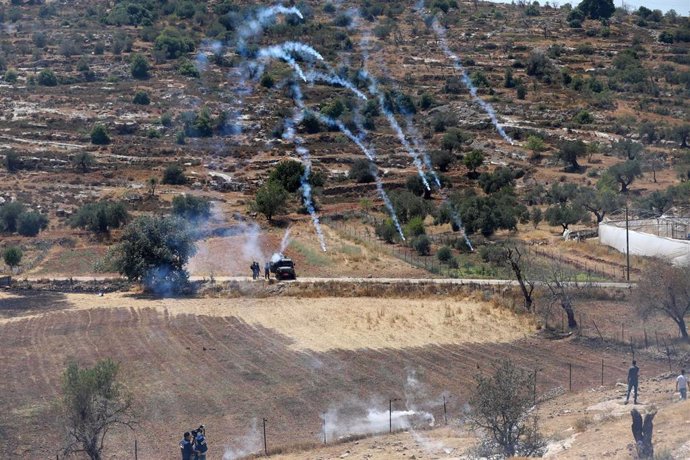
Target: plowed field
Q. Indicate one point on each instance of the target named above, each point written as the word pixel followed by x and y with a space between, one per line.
pixel 228 363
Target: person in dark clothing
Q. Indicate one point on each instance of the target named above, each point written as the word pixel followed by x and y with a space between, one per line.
pixel 200 446
pixel 255 269
pixel 633 381
pixel 267 270
pixel 187 446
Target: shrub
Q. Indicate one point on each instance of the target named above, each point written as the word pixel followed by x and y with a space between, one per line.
pixel 191 207
pixel 9 213
pixel 141 98
pixel 12 256
pixel 386 231
pixel 100 217
pixel 289 174
pixel 99 135
pixel 342 20
pixel 46 77
pixel 444 254
pixel 188 69
pixel 362 171
pixel 422 244
pixel 10 75
pixel 584 117
pixel 12 161
pixel 31 223
pixel 267 80
pixel 173 43
pixel 415 227
pixel 174 175
pixel 139 67
pixel 521 92
pixel 442 159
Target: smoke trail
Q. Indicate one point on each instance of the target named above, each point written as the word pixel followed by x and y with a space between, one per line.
pixel 290 135
pixel 371 156
pixel 283 51
pixel 255 26
pixel 313 76
pixel 457 64
pixel 249 29
pixel 373 89
pixel 420 148
pixel 285 241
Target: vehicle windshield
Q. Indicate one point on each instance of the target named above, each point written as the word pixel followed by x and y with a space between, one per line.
pixel 286 263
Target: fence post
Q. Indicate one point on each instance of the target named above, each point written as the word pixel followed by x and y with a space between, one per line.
pixel 602 372
pixel 265 444
pixel 570 377
pixel 136 450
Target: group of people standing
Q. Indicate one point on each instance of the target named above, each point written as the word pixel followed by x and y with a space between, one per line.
pixel 193 445
pixel 256 270
pixel 634 381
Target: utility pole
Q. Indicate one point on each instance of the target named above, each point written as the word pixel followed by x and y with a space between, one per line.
pixel 265 445
pixel 390 414
pixel 627 244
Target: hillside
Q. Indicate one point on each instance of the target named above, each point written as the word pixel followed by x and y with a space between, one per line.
pixel 210 112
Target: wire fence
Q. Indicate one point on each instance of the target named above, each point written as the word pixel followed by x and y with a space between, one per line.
pixel 582 270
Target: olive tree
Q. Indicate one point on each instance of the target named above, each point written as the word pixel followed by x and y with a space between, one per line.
pixel 155 250
pixel 12 256
pixel 664 289
pixel 93 403
pixel 501 406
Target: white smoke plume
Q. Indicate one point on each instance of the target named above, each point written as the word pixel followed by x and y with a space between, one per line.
pixel 243 446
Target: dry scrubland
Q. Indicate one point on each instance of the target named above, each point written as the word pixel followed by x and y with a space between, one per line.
pixel 230 361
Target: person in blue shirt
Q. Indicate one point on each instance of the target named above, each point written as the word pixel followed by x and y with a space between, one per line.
pixel 200 446
pixel 187 446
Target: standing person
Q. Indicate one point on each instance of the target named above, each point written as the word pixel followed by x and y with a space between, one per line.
pixel 633 381
pixel 682 385
pixel 200 446
pixel 186 446
pixel 253 267
pixel 267 270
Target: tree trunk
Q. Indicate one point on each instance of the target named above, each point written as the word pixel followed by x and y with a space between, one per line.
pixel 642 432
pixel 683 329
pixel 570 313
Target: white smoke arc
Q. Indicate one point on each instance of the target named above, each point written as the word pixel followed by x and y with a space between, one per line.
pixel 313 76
pixel 290 135
pixel 371 156
pixel 457 64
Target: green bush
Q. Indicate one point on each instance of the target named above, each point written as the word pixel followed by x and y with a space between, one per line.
pixel 139 67
pixel 100 217
pixel 9 213
pixel 141 98
pixel 99 135
pixel 31 223
pixel 11 75
pixel 173 43
pixel 46 77
pixel 444 254
pixel 12 161
pixel 191 207
pixel 362 171
pixel 12 256
pixel 386 231
pixel 584 118
pixel 422 244
pixel 414 227
pixel 174 175
pixel 188 69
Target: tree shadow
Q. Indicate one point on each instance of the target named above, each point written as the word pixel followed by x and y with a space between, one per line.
pixel 22 303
